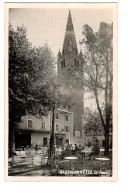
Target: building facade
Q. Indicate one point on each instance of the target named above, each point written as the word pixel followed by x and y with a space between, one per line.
pixel 34 130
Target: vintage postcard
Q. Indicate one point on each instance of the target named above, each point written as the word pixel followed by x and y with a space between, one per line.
pixel 61 91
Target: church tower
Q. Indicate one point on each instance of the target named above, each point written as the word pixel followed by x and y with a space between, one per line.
pixel 70 72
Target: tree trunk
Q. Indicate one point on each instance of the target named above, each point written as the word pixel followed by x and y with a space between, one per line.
pixel 106 152
pixel 94 137
pixel 12 128
pixel 107 110
pixel 105 125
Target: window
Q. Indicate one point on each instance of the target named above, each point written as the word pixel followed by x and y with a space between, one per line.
pixel 30 124
pixel 57 127
pixel 43 125
pixel 66 117
pixel 63 63
pixel 57 115
pixel 76 63
pixel 66 128
pixel 77 133
pixel 67 141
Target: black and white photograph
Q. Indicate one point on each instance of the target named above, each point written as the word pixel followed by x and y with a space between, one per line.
pixel 61 97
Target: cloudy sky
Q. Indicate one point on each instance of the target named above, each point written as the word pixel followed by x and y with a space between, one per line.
pixel 49 24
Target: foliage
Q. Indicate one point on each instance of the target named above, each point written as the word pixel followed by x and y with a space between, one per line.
pixel 98 71
pixel 31 73
pixel 92 124
pixel 31 78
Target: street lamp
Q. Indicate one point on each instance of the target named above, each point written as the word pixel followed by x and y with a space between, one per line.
pixel 52 149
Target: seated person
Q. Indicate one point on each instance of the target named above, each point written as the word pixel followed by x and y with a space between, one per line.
pixel 76 149
pixel 95 150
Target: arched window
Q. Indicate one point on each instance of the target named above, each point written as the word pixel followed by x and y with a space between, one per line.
pixel 63 63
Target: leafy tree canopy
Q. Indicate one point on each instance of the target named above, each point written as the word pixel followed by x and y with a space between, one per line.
pixel 31 75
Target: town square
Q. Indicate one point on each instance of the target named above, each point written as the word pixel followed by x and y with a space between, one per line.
pixel 60 92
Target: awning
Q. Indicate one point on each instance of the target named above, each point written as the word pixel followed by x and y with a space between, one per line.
pixel 59 133
pixel 32 131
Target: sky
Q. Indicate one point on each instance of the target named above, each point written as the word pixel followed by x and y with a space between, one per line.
pixel 48 25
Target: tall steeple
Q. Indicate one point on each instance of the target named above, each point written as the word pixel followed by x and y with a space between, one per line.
pixel 69 36
pixel 70 63
pixel 69 26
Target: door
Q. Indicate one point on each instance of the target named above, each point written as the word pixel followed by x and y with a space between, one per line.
pixel 45 141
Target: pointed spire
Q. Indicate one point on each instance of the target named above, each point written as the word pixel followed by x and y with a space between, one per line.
pixel 59 53
pixel 69 36
pixel 69 26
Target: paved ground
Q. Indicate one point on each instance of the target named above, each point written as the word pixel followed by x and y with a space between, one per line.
pixel 24 166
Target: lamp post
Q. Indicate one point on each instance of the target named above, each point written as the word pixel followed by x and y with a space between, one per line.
pixel 52 150
pixel 52 133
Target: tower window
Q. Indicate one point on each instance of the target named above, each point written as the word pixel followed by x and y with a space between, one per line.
pixel 63 63
pixel 76 63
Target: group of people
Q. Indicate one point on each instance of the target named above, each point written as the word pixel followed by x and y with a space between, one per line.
pixel 73 150
pixel 93 150
pixel 68 149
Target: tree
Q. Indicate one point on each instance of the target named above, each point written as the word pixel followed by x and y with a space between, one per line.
pixel 98 76
pixel 31 73
pixel 92 124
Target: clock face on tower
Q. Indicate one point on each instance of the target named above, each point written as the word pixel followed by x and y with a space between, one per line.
pixel 70 48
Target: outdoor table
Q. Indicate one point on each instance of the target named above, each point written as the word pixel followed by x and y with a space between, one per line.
pixel 102 159
pixel 71 158
pixel 102 149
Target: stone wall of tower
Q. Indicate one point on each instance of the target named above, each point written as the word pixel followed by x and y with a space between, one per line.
pixel 72 87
